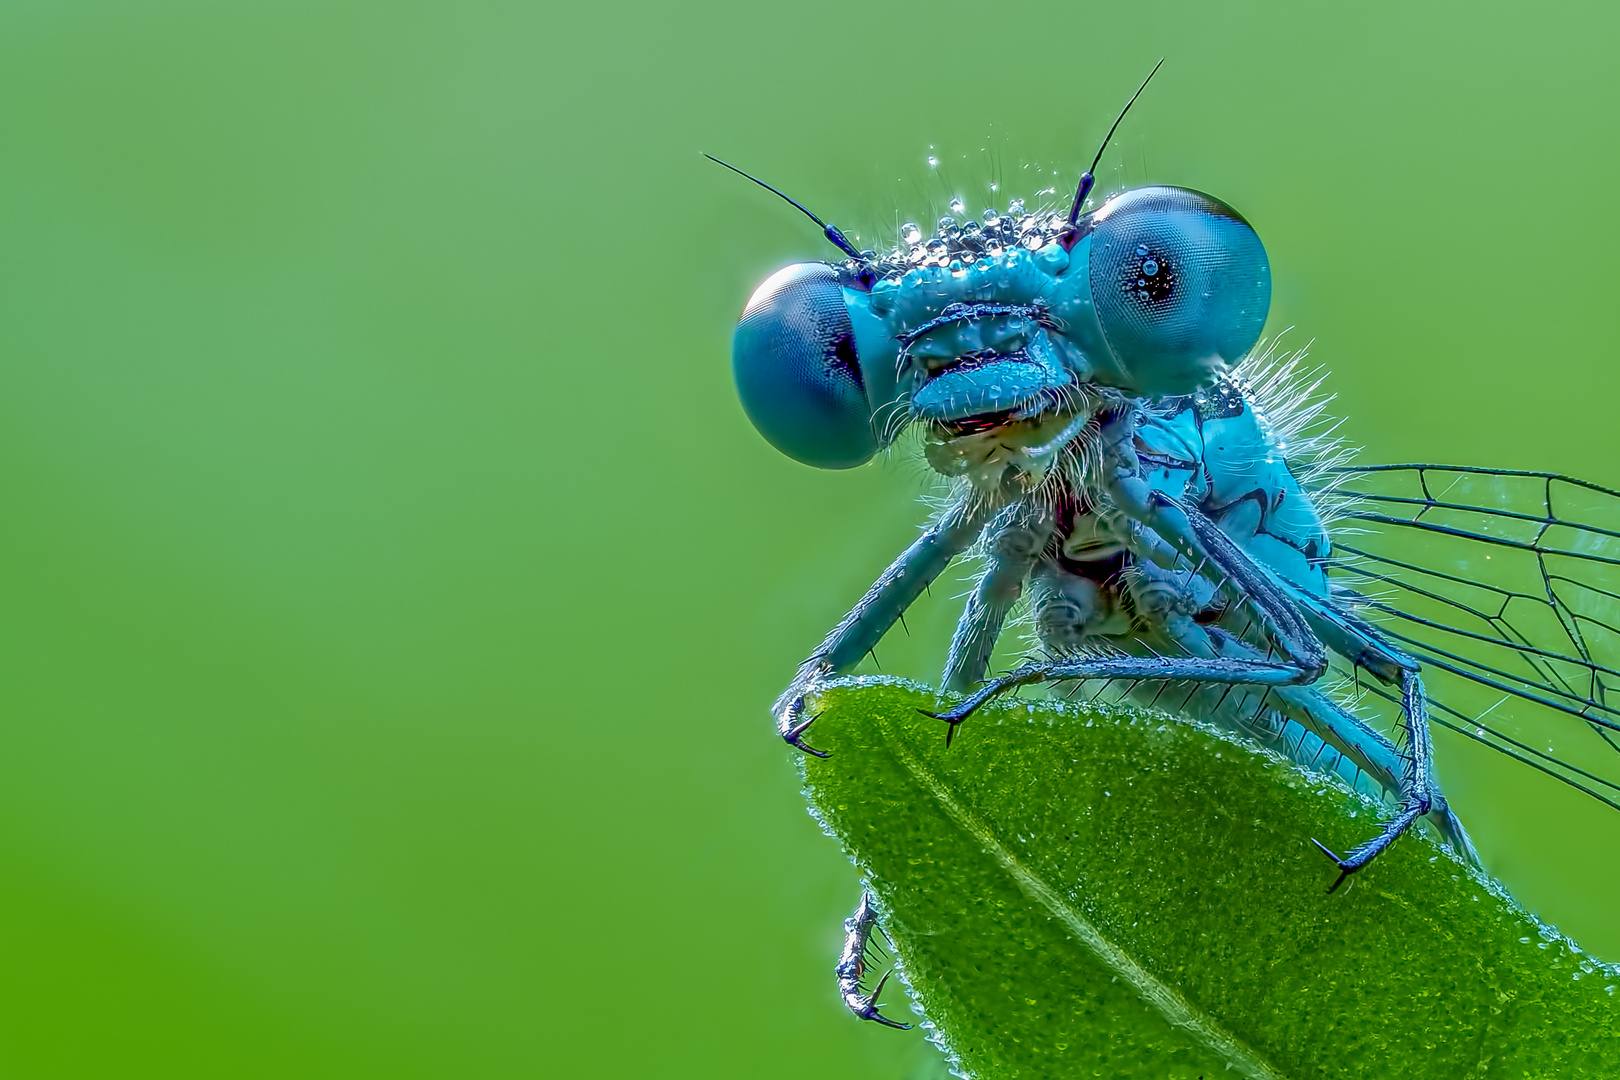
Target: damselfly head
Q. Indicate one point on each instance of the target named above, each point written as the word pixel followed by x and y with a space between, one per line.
pixel 998 327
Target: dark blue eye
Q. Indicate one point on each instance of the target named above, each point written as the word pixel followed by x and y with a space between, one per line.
pixel 797 371
pixel 1180 284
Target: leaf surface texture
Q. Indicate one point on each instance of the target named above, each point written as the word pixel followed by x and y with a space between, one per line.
pixel 1084 891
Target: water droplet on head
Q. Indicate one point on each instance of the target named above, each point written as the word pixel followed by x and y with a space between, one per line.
pixel 956 206
pixel 946 224
pixel 1141 249
pixel 1150 267
pixel 932 161
pixel 1016 206
pixel 910 233
pixel 990 217
pixel 995 187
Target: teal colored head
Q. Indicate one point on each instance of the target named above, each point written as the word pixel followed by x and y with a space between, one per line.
pixel 1000 327
pixel 997 322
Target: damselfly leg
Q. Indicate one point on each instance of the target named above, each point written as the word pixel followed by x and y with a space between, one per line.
pixel 894 591
pixel 852 965
pixel 1217 657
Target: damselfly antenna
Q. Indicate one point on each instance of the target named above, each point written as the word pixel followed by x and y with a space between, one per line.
pixel 831 231
pixel 1086 178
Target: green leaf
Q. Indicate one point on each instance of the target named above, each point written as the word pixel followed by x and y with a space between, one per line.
pixel 1077 892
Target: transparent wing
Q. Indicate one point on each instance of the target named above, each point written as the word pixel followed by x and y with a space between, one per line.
pixel 1506 585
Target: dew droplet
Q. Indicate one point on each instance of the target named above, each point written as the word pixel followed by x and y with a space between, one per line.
pixel 1141 249
pixel 990 218
pixel 957 206
pixel 995 187
pixel 1150 267
pixel 933 161
pixel 1016 206
pixel 910 233
pixel 946 224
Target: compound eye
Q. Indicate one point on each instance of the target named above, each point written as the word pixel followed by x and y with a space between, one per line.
pixel 798 375
pixel 1181 286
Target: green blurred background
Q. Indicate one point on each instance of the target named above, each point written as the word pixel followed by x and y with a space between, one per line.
pixel 393 590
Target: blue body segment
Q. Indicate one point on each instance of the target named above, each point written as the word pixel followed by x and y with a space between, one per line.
pixel 1213 446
